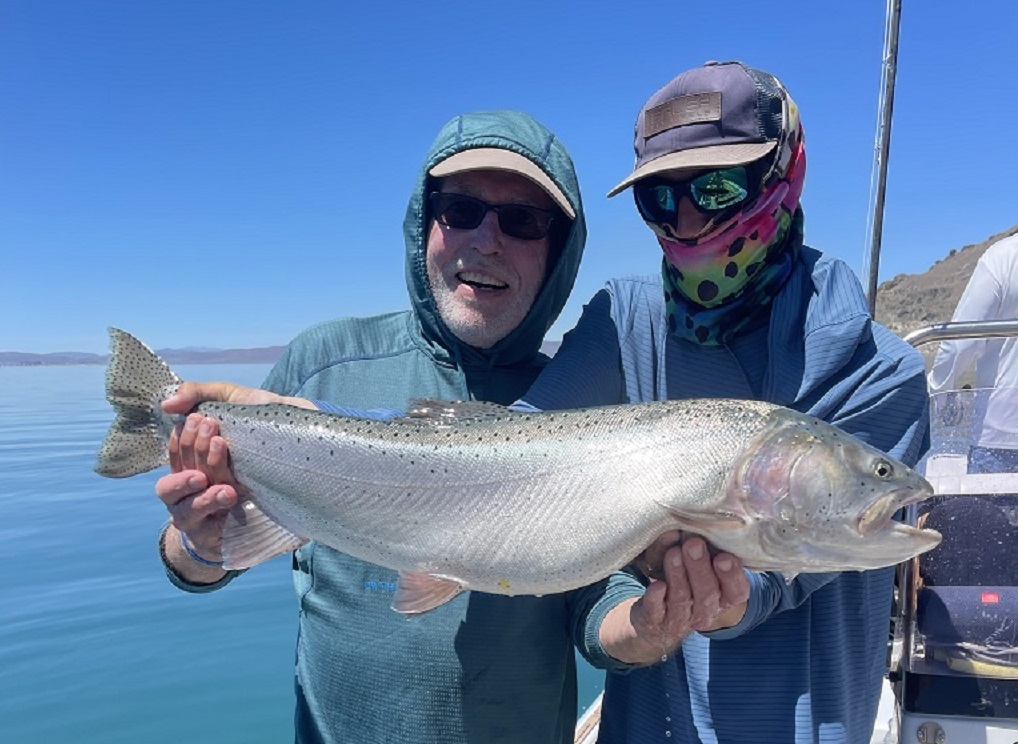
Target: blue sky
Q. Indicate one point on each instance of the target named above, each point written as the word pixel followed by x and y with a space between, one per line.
pixel 227 172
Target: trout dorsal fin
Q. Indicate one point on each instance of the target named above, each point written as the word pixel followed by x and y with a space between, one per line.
pixel 449 411
pixel 250 537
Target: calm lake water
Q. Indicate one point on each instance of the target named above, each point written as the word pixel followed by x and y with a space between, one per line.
pixel 95 645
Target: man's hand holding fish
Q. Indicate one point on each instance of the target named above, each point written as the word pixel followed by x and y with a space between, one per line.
pixel 200 489
pixel 692 589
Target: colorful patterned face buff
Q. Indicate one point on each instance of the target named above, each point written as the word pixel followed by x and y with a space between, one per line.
pixel 751 247
pixel 714 326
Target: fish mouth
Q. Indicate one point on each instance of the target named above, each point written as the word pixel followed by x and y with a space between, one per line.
pixel 879 515
pixel 927 537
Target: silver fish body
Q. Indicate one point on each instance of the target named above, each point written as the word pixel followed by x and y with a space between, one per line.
pixel 470 496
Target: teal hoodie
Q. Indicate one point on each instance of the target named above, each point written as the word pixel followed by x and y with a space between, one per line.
pixel 507 130
pixel 482 668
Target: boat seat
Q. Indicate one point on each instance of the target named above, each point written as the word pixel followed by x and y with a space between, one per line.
pixel 967 604
pixel 980 545
pixel 973 629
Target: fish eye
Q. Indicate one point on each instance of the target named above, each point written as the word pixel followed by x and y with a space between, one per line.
pixel 883 469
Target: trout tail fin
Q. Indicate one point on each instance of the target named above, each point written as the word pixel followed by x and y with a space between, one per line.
pixel 137 381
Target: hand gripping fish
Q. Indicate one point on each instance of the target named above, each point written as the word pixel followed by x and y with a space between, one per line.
pixel 468 496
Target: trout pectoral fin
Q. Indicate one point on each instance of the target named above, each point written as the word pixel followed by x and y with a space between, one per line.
pixel 701 522
pixel 250 537
pixel 417 593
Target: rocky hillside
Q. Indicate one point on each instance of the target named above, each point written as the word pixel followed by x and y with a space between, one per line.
pixel 911 301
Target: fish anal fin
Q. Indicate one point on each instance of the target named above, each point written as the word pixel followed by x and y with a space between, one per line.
pixel 418 592
pixel 250 537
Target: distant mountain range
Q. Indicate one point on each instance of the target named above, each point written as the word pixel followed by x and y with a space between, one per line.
pixel 910 301
pixel 904 303
pixel 263 355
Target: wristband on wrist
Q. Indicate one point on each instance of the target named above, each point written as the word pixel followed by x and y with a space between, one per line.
pixel 171 570
pixel 194 556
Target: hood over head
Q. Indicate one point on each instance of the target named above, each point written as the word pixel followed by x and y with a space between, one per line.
pixel 500 140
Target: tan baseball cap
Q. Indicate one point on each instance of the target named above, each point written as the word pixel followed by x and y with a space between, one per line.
pixel 495 158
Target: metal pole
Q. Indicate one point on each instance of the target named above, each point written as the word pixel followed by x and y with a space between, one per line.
pixel 890 69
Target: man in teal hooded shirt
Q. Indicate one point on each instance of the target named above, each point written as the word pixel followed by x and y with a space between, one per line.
pixel 483 668
pixel 494 233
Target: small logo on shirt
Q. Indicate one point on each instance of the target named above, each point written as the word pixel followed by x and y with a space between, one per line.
pixel 387 587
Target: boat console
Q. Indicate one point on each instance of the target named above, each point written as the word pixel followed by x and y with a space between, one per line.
pixel 955 661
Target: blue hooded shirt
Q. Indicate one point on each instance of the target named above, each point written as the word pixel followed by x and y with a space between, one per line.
pixel 806 662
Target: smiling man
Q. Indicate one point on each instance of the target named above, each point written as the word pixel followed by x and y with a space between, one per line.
pixel 494 232
pixel 485 279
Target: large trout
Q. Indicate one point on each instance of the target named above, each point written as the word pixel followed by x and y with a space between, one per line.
pixel 469 496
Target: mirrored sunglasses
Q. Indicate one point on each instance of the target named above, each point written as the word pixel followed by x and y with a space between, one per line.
pixel 711 193
pixel 467 212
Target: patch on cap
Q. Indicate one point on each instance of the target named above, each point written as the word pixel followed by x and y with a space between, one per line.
pixel 696 108
pixel 495 158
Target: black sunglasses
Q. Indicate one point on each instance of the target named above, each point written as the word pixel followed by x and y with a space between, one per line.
pixel 466 213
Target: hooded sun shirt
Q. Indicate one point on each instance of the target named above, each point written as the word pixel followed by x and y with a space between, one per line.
pixel 821 639
pixel 480 668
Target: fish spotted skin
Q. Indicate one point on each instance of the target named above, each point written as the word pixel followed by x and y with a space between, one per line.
pixel 460 496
